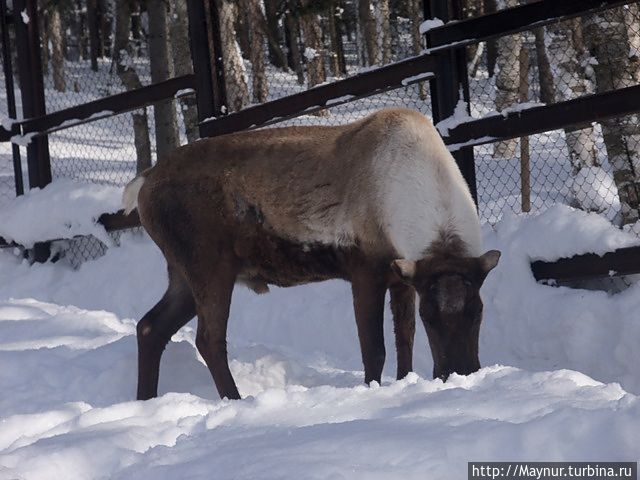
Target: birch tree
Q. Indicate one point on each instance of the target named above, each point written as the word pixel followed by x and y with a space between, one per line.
pixel 570 82
pixel 253 15
pixel 56 35
pixel 234 72
pixel 179 30
pixel 122 60
pixel 607 37
pixel 164 113
pixel 507 80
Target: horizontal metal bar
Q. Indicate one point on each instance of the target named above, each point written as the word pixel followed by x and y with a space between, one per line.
pixel 589 108
pixel 624 261
pixel 399 74
pixel 513 20
pixel 112 105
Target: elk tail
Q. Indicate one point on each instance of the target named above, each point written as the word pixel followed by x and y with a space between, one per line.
pixel 130 194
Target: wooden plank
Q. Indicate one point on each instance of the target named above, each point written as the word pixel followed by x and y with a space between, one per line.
pixel 399 74
pixel 513 20
pixel 589 108
pixel 119 221
pixel 624 261
pixel 112 105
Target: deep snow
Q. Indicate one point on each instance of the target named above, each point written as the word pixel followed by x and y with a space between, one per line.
pixel 68 351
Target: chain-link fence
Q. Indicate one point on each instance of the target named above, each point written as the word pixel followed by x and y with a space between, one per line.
pixel 589 166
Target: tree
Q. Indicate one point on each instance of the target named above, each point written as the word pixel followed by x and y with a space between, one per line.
pixel 507 81
pixel 234 73
pixel 570 81
pixel 164 113
pixel 256 49
pixel 122 59
pixel 179 31
pixel 313 51
pixel 292 33
pixel 56 36
pixel 607 37
pixel 416 16
pixel 383 40
pixel 368 37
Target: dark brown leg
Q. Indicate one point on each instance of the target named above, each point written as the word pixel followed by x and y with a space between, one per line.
pixel 368 301
pixel 213 297
pixel 157 327
pixel 403 298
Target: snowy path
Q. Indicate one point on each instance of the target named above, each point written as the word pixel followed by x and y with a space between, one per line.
pixel 68 357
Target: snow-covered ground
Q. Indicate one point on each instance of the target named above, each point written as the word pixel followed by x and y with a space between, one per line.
pixel 560 381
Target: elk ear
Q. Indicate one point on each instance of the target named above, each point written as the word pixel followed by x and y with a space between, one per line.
pixel 489 260
pixel 404 269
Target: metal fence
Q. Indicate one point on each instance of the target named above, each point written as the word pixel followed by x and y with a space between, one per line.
pixel 553 63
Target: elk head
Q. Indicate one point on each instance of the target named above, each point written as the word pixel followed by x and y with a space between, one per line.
pixel 450 306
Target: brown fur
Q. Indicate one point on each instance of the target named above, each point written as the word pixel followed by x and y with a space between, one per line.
pixel 238 208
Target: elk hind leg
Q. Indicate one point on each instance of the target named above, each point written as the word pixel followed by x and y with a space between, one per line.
pixel 156 328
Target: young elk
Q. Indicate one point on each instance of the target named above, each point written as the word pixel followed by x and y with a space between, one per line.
pixel 379 203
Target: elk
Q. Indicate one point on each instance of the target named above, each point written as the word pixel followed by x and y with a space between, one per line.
pixel 379 203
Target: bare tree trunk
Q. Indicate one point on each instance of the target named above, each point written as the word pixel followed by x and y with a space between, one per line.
pixel 234 74
pixel 606 34
pixel 179 30
pixel 253 16
pixel 106 23
pixel 336 41
pixel 276 56
pixel 164 113
pixel 367 25
pixel 94 38
pixel 292 32
pixel 57 49
pixel 571 82
pixel 507 80
pixel 313 51
pixel 381 9
pixel 416 16
pixel 631 14
pixel 129 77
pixel 544 68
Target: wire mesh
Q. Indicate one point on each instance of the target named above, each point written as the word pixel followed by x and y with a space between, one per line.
pixel 593 167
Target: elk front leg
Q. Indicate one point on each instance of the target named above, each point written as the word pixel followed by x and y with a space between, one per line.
pixel 368 302
pixel 157 327
pixel 213 298
pixel 403 307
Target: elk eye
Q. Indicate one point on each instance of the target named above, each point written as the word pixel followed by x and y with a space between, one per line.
pixel 466 282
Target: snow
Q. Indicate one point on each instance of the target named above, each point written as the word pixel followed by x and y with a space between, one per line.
pixel 460 115
pixel 559 383
pixel 416 78
pixel 310 53
pixel 430 25
pixel 63 209
pixel 25 17
pixel 595 190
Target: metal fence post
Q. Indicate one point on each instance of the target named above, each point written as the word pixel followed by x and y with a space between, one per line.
pixel 11 96
pixel 25 19
pixel 451 81
pixel 206 53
